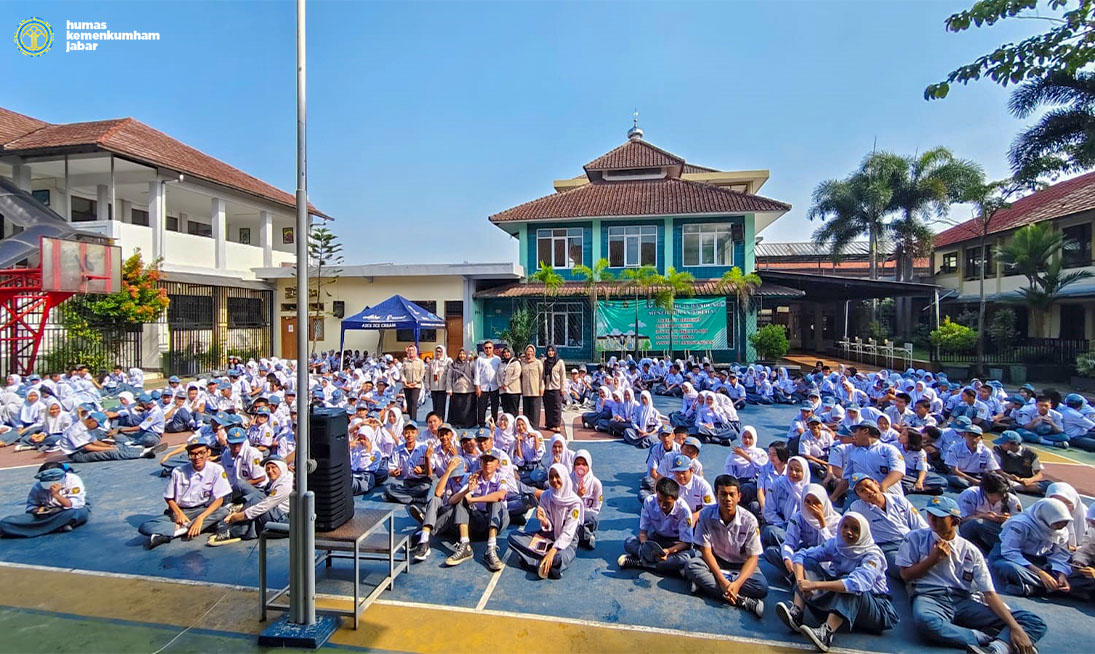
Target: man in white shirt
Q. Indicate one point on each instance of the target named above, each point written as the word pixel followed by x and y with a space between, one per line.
pixel 486 378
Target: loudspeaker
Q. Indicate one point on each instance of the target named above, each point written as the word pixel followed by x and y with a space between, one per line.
pixel 338 308
pixel 332 481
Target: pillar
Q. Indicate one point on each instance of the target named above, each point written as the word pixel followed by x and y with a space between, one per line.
pixel 667 250
pixel 220 325
pixel 220 233
pixel 266 238
pixel 102 203
pixel 469 314
pixel 20 175
pixel 819 322
pixel 157 217
pixel 123 212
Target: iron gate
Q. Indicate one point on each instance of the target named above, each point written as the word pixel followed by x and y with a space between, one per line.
pixel 207 323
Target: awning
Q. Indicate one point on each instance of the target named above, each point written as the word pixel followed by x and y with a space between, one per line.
pixel 825 288
pixel 396 312
pixel 606 290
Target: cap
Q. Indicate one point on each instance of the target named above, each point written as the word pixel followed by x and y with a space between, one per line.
pixel 694 442
pixel 223 385
pixel 943 506
pixel 1074 398
pixel 157 395
pixel 852 407
pixel 869 425
pixel 681 463
pixel 813 419
pixel 1018 399
pixel 858 477
pixel 467 436
pixel 1009 436
pixel 829 401
pixel 198 443
pixel 98 416
pixel 233 373
pixel 1027 387
pixel 972 429
pixel 289 392
pixel 236 435
pixel 961 422
pixel 221 418
pixel 144 397
pixel 262 411
pixel 489 454
pixel 482 432
pixel 274 400
pixel 573 370
pixel 806 405
pixel 814 394
pixel 173 379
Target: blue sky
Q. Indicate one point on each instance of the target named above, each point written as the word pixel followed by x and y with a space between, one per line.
pixel 425 118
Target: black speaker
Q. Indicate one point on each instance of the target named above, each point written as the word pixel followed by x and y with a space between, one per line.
pixel 338 307
pixel 331 482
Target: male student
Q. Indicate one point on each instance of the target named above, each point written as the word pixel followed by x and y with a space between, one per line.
pixel 664 543
pixel 480 509
pixel 195 499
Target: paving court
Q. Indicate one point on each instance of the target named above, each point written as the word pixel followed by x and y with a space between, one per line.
pixel 99 589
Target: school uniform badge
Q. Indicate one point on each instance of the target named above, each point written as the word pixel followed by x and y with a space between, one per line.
pixel 75 490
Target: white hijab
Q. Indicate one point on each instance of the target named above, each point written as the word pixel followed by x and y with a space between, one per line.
pixel 861 547
pixel 1077 529
pixel 831 516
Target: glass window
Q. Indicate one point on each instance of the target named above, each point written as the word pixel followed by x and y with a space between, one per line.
pixel 172 223
pixel 139 217
pixel 633 246
pixel 199 229
pixel 973 263
pixel 83 210
pixel 561 324
pixel 407 335
pixel 41 195
pixel 559 248
pixel 948 263
pixel 1076 245
pixel 708 244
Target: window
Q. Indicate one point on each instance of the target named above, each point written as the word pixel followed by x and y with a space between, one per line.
pixel 198 229
pixel 194 311
pixel 708 245
pixel 454 308
pixel 948 263
pixel 172 223
pixel 562 324
pixel 245 312
pixel 973 263
pixel 41 196
pixel 315 329
pixel 1076 245
pixel 559 248
pixel 407 335
pixel 83 210
pixel 632 246
pixel 139 217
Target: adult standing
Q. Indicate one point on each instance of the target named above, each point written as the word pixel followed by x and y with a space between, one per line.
pixel 532 385
pixel 413 373
pixel 509 384
pixel 554 378
pixel 437 377
pixel 461 387
pixel 486 378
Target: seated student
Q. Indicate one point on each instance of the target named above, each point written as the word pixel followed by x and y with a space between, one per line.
pixel 954 601
pixel 661 451
pixel 480 510
pixel 694 491
pixel 729 550
pixel 46 439
pixel 556 452
pixel 57 502
pixel 528 447
pixel 1067 495
pixel 214 435
pixel 814 446
pixel 150 430
pixel 602 409
pixel 672 384
pixel 664 542
pixel 814 523
pixel 972 408
pixel 1032 557
pixel 623 412
pixel 890 516
pixel 783 500
pixel 852 590
pixel 242 465
pixel 439 514
pixel 561 514
pixel 1042 425
pixel 1019 464
pixel 690 402
pixel 410 465
pixel 1012 414
pixel 713 423
pixel 969 459
pixel 273 506
pixel 937 441
pixel 745 464
pixel 589 488
pixel 259 433
pixel 645 425
pixel 176 416
pixel 195 498
pixel 918 479
pixel 1079 428
pixel 81 443
pixel 368 466
pixel 29 419
pixel 886 432
pixel 869 456
pixel 985 508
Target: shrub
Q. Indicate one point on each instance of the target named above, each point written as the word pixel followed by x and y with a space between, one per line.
pixel 953 337
pixel 1002 328
pixel 770 342
pixel 1085 364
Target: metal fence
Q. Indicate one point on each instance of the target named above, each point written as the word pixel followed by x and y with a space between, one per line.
pixel 207 323
pixel 1039 351
pixel 101 348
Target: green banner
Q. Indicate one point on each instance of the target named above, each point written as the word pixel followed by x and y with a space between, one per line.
pixel 695 325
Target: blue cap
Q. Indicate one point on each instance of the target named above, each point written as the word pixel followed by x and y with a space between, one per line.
pixel 232 372
pixel 943 506
pixel 869 424
pixel 482 432
pixel 173 379
pixel 1009 436
pixel 694 442
pixel 806 404
pixel 468 435
pixel 144 397
pixel 972 429
pixel 317 392
pixel 1074 398
pixel 274 400
pixel 235 419
pixel 858 477
pixel 52 474
pixel 829 401
pixel 1018 399
pixel 236 435
pixel 812 419
pixel 962 422
pixel 290 391
pixel 221 418
pixel 99 417
pixel 88 406
pixel 681 463
pixel 813 394
pixel 854 406
pixel 262 411
pixel 155 395
pixel 223 385
pixel 34 378
pixel 1027 387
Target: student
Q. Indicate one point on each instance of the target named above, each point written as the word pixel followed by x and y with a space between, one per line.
pixel 242 465
pixel 852 590
pixel 54 426
pixel 248 523
pixel 551 549
pixel 783 500
pixel 556 452
pixel 954 601
pixel 439 514
pixel 528 446
pixel 602 409
pixel 690 402
pixel 712 424
pixel 1042 425
pixel 814 446
pixel 814 523
pixel 769 476
pixel 664 542
pixel 663 450
pixel 745 464
pixel 969 460
pixel 1079 428
pixel 589 488
pixel 150 430
pixel 984 510
pixel 890 516
pixel 645 425
pixel 480 509
pixel 729 546
pixel 195 497
pixel 368 465
pixel 56 503
pixel 410 464
pixel 1032 557
pixel 80 443
pixel 918 479
pixel 1067 495
pixel 695 491
pixel 1019 464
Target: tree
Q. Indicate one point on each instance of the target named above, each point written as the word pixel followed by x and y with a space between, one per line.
pixel 741 287
pixel 1063 139
pixel 673 284
pixel 1035 253
pixel 640 280
pixel 552 282
pixel 324 252
pixel 592 277
pixel 1066 48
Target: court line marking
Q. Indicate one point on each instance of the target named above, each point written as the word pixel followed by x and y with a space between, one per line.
pixel 491 586
pixel 664 631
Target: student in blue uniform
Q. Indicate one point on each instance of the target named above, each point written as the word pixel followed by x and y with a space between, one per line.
pixel 953 598
pixel 273 506
pixel 149 432
pixel 195 498
pixel 439 516
pixel 480 510
pixel 410 465
pixel 890 516
pixel 666 447
pixel 57 502
pixel 242 465
pixel 969 460
pixel 664 542
pixel 550 550
pixel 985 508
pixel 814 523
pixel 1032 557
pixel 589 488
pixel 368 466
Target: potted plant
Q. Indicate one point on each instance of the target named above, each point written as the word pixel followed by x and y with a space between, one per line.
pixel 770 343
pixel 1085 372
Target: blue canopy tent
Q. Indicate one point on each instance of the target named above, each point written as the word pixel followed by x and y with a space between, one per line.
pixel 396 312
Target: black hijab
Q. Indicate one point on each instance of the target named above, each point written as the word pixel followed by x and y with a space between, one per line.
pixel 550 359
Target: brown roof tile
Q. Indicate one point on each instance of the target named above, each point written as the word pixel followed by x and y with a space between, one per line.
pixel 702 287
pixel 634 154
pixel 14 125
pixel 662 197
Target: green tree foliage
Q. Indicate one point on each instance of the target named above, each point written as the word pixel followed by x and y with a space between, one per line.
pixel 324 266
pixel 1002 328
pixel 953 337
pixel 1062 140
pixel 521 330
pixel 593 277
pixel 770 342
pixel 673 285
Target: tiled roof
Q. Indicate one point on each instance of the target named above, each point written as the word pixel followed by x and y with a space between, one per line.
pixel 13 125
pixel 807 249
pixel 921 263
pixel 702 287
pixel 135 140
pixel 1062 199
pixel 634 154
pixel 662 197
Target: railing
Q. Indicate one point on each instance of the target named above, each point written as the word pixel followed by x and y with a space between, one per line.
pixel 1042 351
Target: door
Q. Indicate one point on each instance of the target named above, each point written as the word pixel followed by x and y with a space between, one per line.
pixel 454 334
pixel 1073 326
pixel 288 337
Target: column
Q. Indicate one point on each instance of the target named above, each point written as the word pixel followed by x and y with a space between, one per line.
pixel 220 232
pixel 596 245
pixel 667 251
pixel 123 212
pixel 102 202
pixel 266 238
pixel 819 322
pixel 157 211
pixel 469 313
pixel 20 174
pixel 522 255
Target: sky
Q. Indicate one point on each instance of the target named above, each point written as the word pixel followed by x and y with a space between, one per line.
pixel 424 118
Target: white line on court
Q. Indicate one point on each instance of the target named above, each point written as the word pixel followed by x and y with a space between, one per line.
pixel 490 586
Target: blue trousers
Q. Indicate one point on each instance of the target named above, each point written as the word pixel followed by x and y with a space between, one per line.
pixel 772 535
pixel 1023 582
pixel 587 529
pixel 30 525
pixel 698 572
pixel 631 437
pixel 948 617
pixel 868 612
pixel 439 516
pixel 678 419
pixel 591 418
pixel 674 564
pixel 408 491
pixel 934 484
pixel 141 438
pixel 519 544
pixel 365 481
pixel 164 525
pixel 250 529
pixel 719 433
pixel 985 534
pixel 480 522
pixel 181 421
pixel 120 452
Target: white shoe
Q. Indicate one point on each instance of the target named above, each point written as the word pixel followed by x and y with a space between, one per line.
pixel 22 447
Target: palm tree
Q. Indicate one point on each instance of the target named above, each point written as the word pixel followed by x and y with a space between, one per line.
pixel 552 282
pixel 593 276
pixel 1062 140
pixel 640 280
pixel 1035 253
pixel 673 284
pixel 742 287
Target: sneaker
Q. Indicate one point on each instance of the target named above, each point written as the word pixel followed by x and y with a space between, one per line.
pixel 494 564
pixel 821 637
pixel 591 541
pixel 463 553
pixel 155 540
pixel 223 538
pixel 22 447
pixel 628 561
pixel 55 448
pixel 235 508
pixel 417 513
pixel 790 614
pixel 422 551
pixel 752 605
pixel 994 647
pixel 108 439
pixel 1061 444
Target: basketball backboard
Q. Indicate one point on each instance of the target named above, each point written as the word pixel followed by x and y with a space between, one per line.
pixel 80 267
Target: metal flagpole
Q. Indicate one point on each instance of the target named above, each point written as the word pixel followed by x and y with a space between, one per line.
pixel 302 539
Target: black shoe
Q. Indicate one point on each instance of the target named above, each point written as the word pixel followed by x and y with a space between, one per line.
pixel 752 605
pixel 821 637
pixel 494 564
pixel 422 551
pixel 790 614
pixel 463 553
pixel 155 540
pixel 628 561
pixel 591 541
pixel 417 513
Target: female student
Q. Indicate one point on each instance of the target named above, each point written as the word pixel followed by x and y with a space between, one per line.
pixel 645 425
pixel 260 509
pixel 710 423
pixel 556 452
pixel 57 502
pixel 918 479
pixel 602 409
pixel 1077 529
pixel 56 422
pixel 555 373
pixel 814 523
pixel 553 547
pixel 783 500
pixel 985 508
pixel 589 488
pixel 745 463
pixel 30 419
pixel 1032 557
pixel 528 447
pixel 690 401
pixel 505 433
